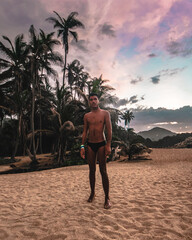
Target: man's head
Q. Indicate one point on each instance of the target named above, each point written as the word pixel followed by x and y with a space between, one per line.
pixel 94 100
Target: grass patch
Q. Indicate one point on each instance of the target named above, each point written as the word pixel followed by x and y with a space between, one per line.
pixel 74 161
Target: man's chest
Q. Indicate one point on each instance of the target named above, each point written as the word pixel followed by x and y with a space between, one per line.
pixel 96 120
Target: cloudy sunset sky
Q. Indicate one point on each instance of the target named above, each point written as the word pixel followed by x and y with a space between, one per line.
pixel 143 47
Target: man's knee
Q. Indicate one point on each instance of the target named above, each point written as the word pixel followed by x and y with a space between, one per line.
pixel 92 170
pixel 103 170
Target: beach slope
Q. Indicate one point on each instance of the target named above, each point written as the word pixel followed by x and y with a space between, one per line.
pixel 151 200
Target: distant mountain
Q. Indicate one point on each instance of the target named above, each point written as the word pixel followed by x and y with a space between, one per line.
pixel 156 133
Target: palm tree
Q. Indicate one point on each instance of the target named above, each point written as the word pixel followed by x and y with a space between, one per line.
pixel 48 56
pixel 47 53
pixel 42 55
pixel 1 110
pixel 115 115
pixel 71 75
pixel 77 77
pixel 96 85
pixel 65 27
pixel 61 133
pixel 35 49
pixel 99 86
pixel 14 81
pixel 62 102
pixel 63 110
pixel 127 116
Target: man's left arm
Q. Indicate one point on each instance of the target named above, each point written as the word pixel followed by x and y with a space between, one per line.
pixel 109 133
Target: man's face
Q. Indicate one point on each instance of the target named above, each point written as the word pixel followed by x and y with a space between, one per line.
pixel 94 102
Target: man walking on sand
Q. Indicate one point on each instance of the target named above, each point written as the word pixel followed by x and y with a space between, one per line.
pixel 98 148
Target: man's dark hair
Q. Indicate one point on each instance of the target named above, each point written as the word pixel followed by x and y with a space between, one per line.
pixel 93 94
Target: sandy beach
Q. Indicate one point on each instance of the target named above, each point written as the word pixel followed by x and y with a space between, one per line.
pixel 151 200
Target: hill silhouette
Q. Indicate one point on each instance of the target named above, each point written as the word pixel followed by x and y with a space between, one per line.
pixel 166 142
pixel 156 133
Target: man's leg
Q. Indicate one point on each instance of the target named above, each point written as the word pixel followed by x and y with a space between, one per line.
pixel 103 170
pixel 91 158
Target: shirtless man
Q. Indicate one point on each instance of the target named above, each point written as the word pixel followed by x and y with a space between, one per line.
pixel 97 147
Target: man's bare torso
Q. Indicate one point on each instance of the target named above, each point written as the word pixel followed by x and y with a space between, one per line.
pixel 95 124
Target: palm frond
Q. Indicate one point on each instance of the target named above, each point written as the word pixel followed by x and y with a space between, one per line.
pixel 83 95
pixel 6 51
pixel 75 35
pixel 6 38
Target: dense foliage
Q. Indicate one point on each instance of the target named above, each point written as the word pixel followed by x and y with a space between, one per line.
pixel 36 116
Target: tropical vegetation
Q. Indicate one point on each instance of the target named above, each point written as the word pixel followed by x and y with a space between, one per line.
pixel 37 116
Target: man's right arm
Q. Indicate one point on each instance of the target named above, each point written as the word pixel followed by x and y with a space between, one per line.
pixel 84 136
pixel 109 133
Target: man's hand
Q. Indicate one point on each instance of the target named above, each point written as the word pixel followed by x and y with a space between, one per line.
pixel 82 153
pixel 107 150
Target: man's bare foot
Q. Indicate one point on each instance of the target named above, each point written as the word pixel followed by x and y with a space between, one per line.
pixel 107 204
pixel 91 198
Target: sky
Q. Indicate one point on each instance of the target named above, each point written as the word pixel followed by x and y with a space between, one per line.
pixel 143 47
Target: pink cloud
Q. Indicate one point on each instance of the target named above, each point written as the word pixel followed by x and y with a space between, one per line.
pixel 154 22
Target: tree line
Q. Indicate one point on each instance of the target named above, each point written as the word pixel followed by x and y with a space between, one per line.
pixel 36 116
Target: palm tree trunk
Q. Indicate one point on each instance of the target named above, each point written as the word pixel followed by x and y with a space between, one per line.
pixel 15 148
pixel 26 149
pixel 18 136
pixel 30 155
pixel 33 109
pixel 65 150
pixel 65 63
pixel 40 122
pixel 37 144
pixel 24 139
pixel 40 136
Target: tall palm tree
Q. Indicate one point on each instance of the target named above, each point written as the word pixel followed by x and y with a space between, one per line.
pixel 35 49
pixel 48 56
pixel 42 55
pixel 127 116
pixel 65 27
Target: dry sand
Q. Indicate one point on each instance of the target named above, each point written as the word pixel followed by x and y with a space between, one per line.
pixel 150 200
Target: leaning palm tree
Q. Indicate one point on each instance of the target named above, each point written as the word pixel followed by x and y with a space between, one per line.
pixel 65 27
